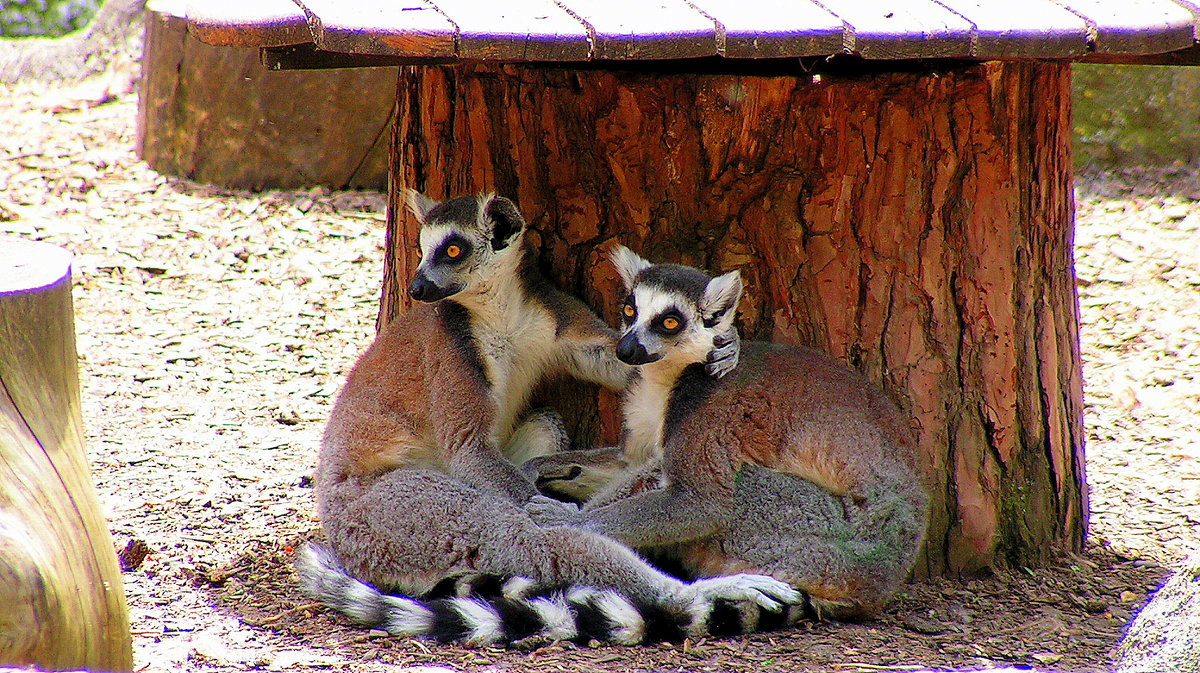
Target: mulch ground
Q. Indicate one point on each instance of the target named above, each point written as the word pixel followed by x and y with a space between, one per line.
pixel 214 327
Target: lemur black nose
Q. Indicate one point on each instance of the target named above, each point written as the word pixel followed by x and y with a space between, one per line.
pixel 631 351
pixel 421 289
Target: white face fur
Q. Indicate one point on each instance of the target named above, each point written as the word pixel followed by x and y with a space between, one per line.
pixel 672 313
pixel 459 240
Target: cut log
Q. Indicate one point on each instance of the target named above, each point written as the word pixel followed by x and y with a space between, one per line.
pixel 60 587
pixel 915 224
pixel 216 115
pixel 1165 636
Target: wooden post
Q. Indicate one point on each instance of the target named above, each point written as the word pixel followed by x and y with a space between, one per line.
pixel 916 224
pixel 63 603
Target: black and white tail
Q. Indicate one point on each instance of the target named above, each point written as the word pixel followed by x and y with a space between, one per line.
pixel 483 610
pixel 521 609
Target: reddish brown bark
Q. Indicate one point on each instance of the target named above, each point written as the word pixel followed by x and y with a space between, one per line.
pixel 917 225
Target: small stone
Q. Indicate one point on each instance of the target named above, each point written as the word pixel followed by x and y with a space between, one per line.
pixel 1047 658
pixel 1130 597
pixel 377 633
pixel 922 625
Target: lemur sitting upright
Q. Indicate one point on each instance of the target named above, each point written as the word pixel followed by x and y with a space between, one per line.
pixel 414 481
pixel 792 466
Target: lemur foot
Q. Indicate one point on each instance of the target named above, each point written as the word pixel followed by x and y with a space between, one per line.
pixel 548 512
pixel 767 592
pixel 726 352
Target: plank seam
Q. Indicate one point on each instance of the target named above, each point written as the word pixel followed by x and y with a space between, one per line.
pixel 591 30
pixel 849 37
pixel 457 30
pixel 308 16
pixel 973 41
pixel 722 35
pixel 1093 27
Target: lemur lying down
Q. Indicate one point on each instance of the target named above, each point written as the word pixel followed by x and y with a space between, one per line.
pixel 792 466
pixel 415 482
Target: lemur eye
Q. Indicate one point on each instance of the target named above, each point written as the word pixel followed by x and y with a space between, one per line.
pixel 629 311
pixel 453 251
pixel 670 324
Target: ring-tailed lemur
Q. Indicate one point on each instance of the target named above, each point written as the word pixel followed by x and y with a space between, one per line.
pixel 414 481
pixel 793 466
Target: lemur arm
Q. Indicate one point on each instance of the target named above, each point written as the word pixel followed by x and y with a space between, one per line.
pixel 592 356
pixel 696 501
pixel 464 433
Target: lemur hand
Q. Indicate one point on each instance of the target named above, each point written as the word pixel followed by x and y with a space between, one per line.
pixel 547 512
pixel 723 358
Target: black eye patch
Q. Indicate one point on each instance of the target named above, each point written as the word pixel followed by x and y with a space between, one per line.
pixel 452 251
pixel 668 322
pixel 628 310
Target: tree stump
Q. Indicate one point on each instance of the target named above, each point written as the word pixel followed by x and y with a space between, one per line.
pixel 60 587
pixel 216 115
pixel 915 224
pixel 1165 636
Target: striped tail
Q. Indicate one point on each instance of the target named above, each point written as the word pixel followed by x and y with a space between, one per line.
pixel 521 609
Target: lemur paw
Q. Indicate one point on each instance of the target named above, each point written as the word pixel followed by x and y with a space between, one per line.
pixel 767 592
pixel 548 512
pixel 726 352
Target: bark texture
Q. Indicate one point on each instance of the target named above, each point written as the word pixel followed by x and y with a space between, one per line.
pixel 217 115
pixel 917 225
pixel 60 587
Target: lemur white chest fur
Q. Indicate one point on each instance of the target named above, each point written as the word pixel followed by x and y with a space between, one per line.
pixel 645 409
pixel 515 338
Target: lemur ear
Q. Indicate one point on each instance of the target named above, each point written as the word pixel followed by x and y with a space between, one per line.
pixel 719 303
pixel 505 219
pixel 419 204
pixel 628 264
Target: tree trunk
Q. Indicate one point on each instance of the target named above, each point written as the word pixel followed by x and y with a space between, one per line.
pixel 60 587
pixel 216 115
pixel 111 35
pixel 916 224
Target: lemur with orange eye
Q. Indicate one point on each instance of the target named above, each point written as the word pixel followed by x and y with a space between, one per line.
pixel 792 466
pixel 416 483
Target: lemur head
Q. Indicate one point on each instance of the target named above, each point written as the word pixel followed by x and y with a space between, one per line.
pixel 672 312
pixel 465 242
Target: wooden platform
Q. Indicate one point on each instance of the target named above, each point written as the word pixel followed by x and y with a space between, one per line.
pixel 589 30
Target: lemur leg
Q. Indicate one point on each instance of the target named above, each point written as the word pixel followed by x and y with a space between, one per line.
pixel 411 528
pixel 577 475
pixel 849 558
pixel 541 433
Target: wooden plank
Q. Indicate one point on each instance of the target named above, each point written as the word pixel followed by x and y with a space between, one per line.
pixel 1023 28
pixel 523 30
pixel 771 29
pixel 1193 7
pixel 890 29
pixel 244 23
pixel 645 29
pixel 1136 26
pixel 412 28
pixel 308 57
pixel 1188 56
